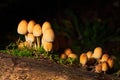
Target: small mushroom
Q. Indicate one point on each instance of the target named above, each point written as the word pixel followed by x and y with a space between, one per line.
pixel 49 35
pixel 30 38
pixel 104 67
pixel 63 56
pixel 89 54
pixel 83 59
pixel 47 46
pixel 31 25
pixel 37 32
pixel 105 57
pixel 72 55
pixel 97 53
pixel 98 68
pixel 68 51
pixel 110 63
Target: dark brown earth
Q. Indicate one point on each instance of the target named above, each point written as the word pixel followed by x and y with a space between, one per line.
pixel 19 68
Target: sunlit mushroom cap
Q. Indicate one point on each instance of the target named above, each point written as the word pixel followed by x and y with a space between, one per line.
pixel 104 66
pixel 47 46
pixel 68 51
pixel 105 57
pixel 89 54
pixel 31 25
pixel 97 53
pixel 46 25
pixel 37 30
pixel 22 27
pixel 49 35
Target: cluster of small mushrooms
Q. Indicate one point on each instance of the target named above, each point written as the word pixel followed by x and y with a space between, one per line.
pixel 36 35
pixel 100 61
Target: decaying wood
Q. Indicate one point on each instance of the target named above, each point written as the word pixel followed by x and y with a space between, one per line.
pixel 16 68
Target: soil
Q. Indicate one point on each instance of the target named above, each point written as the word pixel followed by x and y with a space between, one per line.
pixel 24 68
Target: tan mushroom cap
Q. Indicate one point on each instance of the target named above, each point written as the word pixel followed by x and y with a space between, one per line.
pixel 37 30
pixel 98 68
pixel 105 57
pixel 73 55
pixel 47 46
pixel 110 63
pixel 89 54
pixel 104 66
pixel 22 27
pixel 49 35
pixel 46 25
pixel 97 53
pixel 83 59
pixel 31 25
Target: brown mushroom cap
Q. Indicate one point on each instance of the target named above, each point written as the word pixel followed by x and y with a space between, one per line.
pixel 49 35
pixel 72 55
pixel 105 57
pixel 31 25
pixel 46 25
pixel 37 30
pixel 22 27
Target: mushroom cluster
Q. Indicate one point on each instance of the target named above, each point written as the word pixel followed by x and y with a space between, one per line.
pixel 100 62
pixel 36 35
pixel 68 53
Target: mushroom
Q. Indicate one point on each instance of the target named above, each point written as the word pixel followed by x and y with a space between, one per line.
pixel 104 67
pixel 72 55
pixel 89 54
pixel 98 68
pixel 97 53
pixel 47 46
pixel 30 38
pixel 104 57
pixel 37 32
pixel 22 27
pixel 49 35
pixel 23 44
pixel 63 56
pixel 110 63
pixel 83 59
pixel 46 25
pixel 68 51
pixel 31 25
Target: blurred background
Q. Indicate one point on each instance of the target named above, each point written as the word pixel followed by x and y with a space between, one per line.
pixel 88 23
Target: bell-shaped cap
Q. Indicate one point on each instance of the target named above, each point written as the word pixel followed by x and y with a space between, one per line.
pixel 31 25
pixel 46 25
pixel 22 27
pixel 37 31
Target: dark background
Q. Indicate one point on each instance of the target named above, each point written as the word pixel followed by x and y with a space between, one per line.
pixel 13 11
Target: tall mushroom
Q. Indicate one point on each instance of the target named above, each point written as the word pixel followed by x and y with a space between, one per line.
pixel 22 27
pixel 31 25
pixel 37 32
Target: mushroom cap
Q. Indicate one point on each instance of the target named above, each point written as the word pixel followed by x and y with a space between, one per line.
pixel 89 54
pixel 47 46
pixel 37 30
pixel 97 53
pixel 63 56
pixel 110 63
pixel 104 66
pixel 105 57
pixel 98 68
pixel 49 35
pixel 83 59
pixel 72 55
pixel 68 51
pixel 46 25
pixel 22 27
pixel 31 25
pixel 30 37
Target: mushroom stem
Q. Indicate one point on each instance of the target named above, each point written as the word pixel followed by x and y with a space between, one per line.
pixel 38 42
